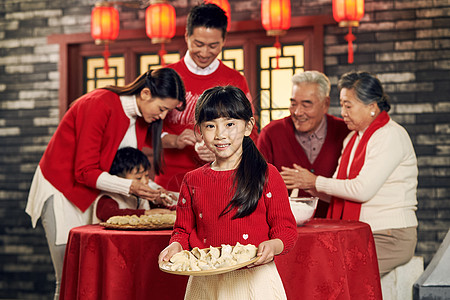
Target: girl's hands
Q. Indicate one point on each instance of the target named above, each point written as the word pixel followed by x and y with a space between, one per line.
pixel 267 251
pixel 143 191
pixel 169 251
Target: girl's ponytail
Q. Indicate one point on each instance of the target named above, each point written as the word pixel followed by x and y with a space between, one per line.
pixel 249 180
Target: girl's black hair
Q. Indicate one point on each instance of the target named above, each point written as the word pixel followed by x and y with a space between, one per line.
pixel 163 83
pixel 127 159
pixel 250 175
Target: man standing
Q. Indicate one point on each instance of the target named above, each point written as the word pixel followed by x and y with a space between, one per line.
pixel 200 69
pixel 309 137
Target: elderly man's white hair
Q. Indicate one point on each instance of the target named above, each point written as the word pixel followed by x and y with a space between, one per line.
pixel 314 77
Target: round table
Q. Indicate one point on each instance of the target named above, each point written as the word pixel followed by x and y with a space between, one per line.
pixel 331 260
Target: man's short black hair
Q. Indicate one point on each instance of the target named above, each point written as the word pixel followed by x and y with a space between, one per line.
pixel 207 15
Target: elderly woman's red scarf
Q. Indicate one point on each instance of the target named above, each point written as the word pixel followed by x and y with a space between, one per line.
pixel 345 209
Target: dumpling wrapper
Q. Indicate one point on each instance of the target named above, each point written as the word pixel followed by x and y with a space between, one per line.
pixel 198 145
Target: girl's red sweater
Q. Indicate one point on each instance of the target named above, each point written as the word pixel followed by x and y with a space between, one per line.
pixel 204 195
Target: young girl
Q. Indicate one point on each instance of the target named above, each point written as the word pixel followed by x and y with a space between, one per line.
pixel 236 198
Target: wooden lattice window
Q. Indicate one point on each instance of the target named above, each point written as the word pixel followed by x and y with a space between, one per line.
pixel 96 76
pixel 275 83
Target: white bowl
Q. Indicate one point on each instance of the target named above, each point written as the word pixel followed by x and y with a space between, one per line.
pixel 303 208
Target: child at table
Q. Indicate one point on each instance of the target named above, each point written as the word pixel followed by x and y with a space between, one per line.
pixel 129 163
pixel 236 198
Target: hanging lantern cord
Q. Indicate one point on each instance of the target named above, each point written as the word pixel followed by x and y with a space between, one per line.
pixel 277 46
pixel 161 54
pixel 106 55
pixel 350 38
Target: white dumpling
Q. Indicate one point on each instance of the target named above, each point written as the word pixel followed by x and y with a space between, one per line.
pixel 180 261
pixel 212 256
pixel 215 252
pixel 134 220
pixel 113 220
pixel 123 220
pixel 251 250
pixel 243 253
pixel 203 265
pixel 193 263
pixel 200 254
pixel 182 255
pixel 226 259
pixel 226 249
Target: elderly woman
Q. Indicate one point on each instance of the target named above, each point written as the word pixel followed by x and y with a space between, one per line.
pixel 376 179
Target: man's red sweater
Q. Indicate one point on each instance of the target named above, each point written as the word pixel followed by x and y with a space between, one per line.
pixel 279 146
pixel 179 162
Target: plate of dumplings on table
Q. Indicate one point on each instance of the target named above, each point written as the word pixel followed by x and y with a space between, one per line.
pixel 143 222
pixel 210 261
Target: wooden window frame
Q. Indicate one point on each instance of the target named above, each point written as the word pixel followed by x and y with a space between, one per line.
pixel 130 43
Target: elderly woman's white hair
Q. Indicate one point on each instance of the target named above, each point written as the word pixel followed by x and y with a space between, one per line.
pixel 314 77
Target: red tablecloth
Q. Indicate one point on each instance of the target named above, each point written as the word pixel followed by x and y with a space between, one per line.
pixel 116 265
pixel 331 260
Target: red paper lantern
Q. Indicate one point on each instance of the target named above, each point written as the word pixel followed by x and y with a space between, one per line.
pixel 225 5
pixel 348 13
pixel 160 24
pixel 104 27
pixel 276 20
pixel 276 16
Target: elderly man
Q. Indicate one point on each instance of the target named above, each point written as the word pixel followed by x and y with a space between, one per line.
pixel 309 137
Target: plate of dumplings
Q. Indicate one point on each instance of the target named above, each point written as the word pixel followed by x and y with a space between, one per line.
pixel 211 261
pixel 143 222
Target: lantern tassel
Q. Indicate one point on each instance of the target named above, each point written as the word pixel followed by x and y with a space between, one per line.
pixel 350 38
pixel 161 54
pixel 277 46
pixel 106 55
